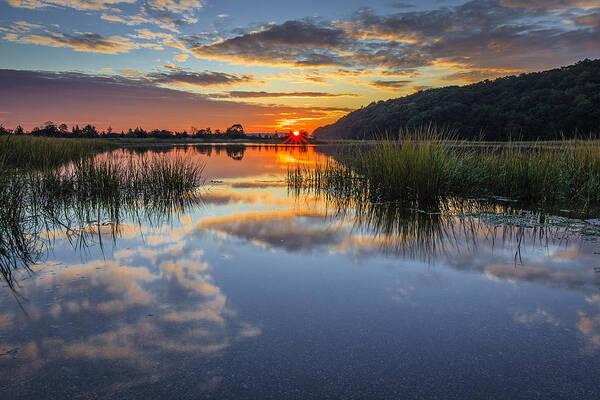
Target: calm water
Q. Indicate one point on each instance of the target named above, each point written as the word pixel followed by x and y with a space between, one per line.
pixel 262 293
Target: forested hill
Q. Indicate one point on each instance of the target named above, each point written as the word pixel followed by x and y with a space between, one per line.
pixel 541 105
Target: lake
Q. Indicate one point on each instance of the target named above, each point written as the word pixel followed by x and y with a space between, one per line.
pixel 259 291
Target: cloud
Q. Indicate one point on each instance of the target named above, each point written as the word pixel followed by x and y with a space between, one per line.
pixel 124 102
pixel 590 20
pixel 589 326
pixel 393 85
pixel 477 35
pixel 251 95
pixel 225 197
pixel 166 305
pixel 480 34
pixel 400 4
pixel 206 78
pixel 551 4
pixel 476 75
pixel 170 14
pixel 540 316
pixel 421 88
pixel 541 275
pixel 181 57
pixel 290 230
pixel 126 19
pixel 76 4
pixel 86 42
pixel 181 6
pixel 19 27
pixel 309 44
pixel 303 43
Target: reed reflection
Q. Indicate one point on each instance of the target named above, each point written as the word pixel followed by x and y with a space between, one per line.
pixel 496 238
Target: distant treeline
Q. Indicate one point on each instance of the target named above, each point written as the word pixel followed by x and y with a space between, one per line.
pixel 51 129
pixel 546 105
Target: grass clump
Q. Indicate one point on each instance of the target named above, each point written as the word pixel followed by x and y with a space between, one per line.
pixel 124 181
pixel 425 166
pixel 43 152
pixel 85 196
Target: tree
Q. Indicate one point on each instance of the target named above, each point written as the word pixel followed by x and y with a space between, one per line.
pixel 89 131
pixel 235 130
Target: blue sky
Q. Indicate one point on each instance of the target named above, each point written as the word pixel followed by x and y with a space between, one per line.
pixel 282 65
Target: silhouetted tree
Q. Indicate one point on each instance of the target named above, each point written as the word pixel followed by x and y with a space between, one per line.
pixel 236 131
pixel 89 131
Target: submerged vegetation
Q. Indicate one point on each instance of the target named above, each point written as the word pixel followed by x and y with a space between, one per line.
pixel 422 167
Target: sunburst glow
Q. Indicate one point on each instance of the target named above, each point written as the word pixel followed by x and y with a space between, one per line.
pixel 296 137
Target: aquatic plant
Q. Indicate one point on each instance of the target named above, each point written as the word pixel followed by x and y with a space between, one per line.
pixel 18 151
pixel 85 198
pixel 425 165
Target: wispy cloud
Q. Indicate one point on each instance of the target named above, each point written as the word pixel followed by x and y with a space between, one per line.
pixel 249 94
pixel 207 78
pixel 76 4
pixel 88 42
pixel 176 6
pixel 390 85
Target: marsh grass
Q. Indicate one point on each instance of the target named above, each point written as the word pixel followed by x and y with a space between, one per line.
pixel 86 198
pixel 42 152
pixel 122 180
pixel 424 166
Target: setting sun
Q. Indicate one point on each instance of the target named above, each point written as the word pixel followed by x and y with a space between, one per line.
pixel 296 133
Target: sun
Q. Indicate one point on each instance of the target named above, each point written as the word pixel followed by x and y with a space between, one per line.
pixel 296 137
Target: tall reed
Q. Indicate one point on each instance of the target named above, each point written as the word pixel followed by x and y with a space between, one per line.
pixel 88 193
pixel 43 152
pixel 426 165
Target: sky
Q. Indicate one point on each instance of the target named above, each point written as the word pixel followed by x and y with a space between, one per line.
pixel 269 65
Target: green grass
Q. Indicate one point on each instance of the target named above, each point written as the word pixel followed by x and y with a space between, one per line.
pixel 131 181
pixel 42 152
pixel 425 166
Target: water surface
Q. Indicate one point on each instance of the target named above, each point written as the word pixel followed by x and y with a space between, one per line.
pixel 261 292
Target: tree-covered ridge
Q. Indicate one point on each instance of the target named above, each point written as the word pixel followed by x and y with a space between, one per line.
pixel 541 105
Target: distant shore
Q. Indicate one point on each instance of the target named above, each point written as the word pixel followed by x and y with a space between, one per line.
pixel 125 141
